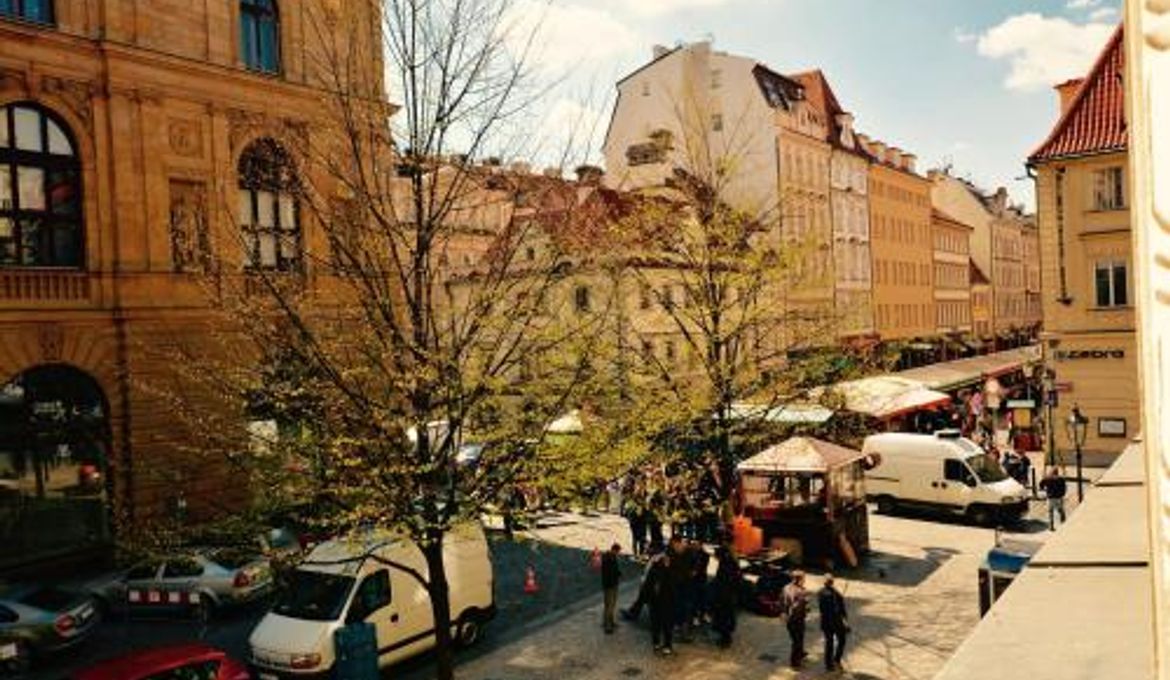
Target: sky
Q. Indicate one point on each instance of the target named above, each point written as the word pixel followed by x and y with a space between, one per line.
pixel 965 82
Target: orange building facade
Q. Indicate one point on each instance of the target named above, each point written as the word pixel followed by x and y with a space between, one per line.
pixel 903 251
pixel 139 141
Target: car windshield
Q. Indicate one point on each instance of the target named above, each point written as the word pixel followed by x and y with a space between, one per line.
pixel 986 468
pixel 314 595
pixel 49 599
pixel 233 558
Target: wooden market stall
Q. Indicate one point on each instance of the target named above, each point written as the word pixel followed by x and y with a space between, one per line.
pixel 806 497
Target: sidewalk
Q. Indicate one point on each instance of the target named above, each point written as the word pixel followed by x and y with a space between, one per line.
pixel 910 606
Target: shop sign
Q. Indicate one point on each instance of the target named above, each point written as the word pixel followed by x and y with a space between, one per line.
pixel 1021 403
pixel 1111 427
pixel 1074 354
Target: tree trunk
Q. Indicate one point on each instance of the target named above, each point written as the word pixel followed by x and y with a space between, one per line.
pixel 440 608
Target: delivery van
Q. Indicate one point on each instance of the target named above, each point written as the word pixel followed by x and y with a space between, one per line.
pixel 350 580
pixel 944 471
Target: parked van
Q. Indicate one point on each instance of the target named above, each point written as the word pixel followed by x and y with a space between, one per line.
pixel 349 580
pixel 942 470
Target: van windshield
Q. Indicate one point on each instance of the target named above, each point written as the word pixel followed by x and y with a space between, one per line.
pixel 987 469
pixel 314 595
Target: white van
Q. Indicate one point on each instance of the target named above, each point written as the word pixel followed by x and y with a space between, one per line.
pixel 342 582
pixel 941 470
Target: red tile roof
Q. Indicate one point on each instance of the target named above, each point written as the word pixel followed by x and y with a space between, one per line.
pixel 1095 120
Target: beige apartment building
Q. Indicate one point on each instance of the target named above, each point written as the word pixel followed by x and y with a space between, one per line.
pixel 980 304
pixel 1083 199
pixel 1000 232
pixel 952 274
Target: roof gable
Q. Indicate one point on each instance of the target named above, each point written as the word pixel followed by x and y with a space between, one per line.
pixel 1095 120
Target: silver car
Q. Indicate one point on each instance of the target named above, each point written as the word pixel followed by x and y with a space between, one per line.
pixel 199 582
pixel 36 619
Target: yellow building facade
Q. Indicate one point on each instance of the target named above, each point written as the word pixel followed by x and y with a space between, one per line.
pixel 1085 249
pixel 951 274
pixel 140 142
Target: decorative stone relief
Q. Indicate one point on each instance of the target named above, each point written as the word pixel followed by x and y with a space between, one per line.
pixel 51 339
pixel 77 95
pixel 186 137
pixel 190 243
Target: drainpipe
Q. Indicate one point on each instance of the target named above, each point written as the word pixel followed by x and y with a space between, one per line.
pixel 1064 298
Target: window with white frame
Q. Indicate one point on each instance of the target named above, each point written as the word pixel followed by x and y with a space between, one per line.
pixel 1112 283
pixel 1109 188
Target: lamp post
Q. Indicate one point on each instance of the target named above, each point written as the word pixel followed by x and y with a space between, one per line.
pixel 1078 429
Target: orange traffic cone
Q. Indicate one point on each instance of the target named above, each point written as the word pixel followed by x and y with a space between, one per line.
pixel 530 585
pixel 595 560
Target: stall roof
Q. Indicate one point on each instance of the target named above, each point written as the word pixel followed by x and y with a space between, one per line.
pixel 788 413
pixel 885 396
pixel 800 454
pixel 961 372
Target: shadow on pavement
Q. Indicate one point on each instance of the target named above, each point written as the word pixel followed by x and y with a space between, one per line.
pixel 899 570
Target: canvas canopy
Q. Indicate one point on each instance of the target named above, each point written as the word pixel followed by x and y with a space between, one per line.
pixel 800 454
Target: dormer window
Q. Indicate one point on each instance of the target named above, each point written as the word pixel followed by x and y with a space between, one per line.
pixel 40 11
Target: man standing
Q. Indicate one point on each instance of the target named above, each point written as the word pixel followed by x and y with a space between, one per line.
pixel 1054 487
pixel 611 576
pixel 796 609
pixel 834 623
pixel 660 596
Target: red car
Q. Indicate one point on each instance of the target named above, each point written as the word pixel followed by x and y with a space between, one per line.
pixel 194 661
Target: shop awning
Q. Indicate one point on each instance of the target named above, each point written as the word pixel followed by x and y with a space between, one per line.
pixel 887 396
pixel 962 372
pixel 800 454
pixel 792 414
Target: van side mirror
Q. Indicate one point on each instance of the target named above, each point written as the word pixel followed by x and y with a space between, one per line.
pixel 969 480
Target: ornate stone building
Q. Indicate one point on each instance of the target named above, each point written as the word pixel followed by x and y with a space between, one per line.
pixel 141 141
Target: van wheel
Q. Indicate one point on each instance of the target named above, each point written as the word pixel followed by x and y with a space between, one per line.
pixel 886 505
pixel 979 515
pixel 469 629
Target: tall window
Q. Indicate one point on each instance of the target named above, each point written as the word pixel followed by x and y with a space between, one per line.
pixel 40 11
pixel 269 214
pixel 259 35
pixel 581 299
pixel 40 190
pixel 1109 189
pixel 1112 284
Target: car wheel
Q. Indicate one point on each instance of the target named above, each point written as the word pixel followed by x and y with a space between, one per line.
pixel 980 515
pixel 470 630
pixel 886 505
pixel 204 610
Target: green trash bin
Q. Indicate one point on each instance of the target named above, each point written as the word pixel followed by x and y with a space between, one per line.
pixel 356 647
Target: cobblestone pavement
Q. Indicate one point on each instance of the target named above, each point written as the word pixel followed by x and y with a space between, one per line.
pixel 910 605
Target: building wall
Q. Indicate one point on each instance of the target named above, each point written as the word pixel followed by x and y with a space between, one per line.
pixel 852 258
pixel 160 109
pixel 1033 303
pixel 981 310
pixel 1094 354
pixel 903 253
pixel 952 275
pixel 1007 273
pixel 805 209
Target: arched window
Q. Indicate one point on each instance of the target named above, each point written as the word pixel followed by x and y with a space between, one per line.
pixel 269 214
pixel 40 11
pixel 259 35
pixel 40 190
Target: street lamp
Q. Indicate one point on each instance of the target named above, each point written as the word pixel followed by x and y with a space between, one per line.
pixel 1078 430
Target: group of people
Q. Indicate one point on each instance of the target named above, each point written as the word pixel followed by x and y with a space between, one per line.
pixel 679 593
pixel 681 597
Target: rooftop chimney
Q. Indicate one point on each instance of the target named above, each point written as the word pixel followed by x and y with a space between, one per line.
pixel 660 51
pixel 908 160
pixel 894 156
pixel 520 168
pixel 863 141
pixel 553 172
pixel 878 149
pixel 1000 200
pixel 1067 91
pixel 845 122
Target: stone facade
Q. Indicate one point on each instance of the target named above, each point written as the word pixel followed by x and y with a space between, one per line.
pixel 159 104
pixel 952 275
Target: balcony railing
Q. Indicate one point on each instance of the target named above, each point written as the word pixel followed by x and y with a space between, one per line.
pixel 43 285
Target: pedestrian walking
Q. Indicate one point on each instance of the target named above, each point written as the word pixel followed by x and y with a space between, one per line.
pixel 611 576
pixel 654 524
pixel 725 595
pixel 637 523
pixel 795 611
pixel 634 611
pixel 700 562
pixel 682 580
pixel 834 623
pixel 1054 487
pixel 660 591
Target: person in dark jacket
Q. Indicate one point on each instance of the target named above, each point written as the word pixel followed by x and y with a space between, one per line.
pixel 611 576
pixel 660 595
pixel 700 561
pixel 682 581
pixel 725 595
pixel 834 623
pixel 1054 487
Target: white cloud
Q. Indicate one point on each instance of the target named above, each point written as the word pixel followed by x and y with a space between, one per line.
pixel 661 7
pixel 1104 14
pixel 1082 4
pixel 964 36
pixel 566 35
pixel 1043 51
